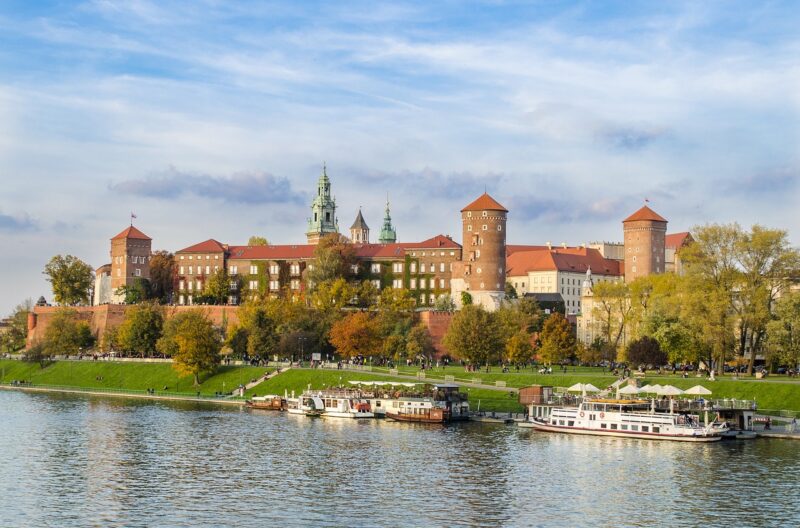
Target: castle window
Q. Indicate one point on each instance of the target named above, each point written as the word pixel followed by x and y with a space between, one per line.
pixel 452 253
pixel 422 284
pixel 377 284
pixel 208 270
pixel 413 283
pixel 181 257
pixel 273 269
pixel 181 269
pixel 441 283
pixel 191 285
pixel 397 284
pixel 253 270
pixel 181 300
pixel 216 269
pixel 273 285
pixel 469 214
pixel 477 270
pixel 469 228
pixel 294 269
pixel 327 217
pixel 485 227
pixel 199 285
pixel 180 285
pixel 431 299
pixel 499 227
pixel 295 284
pixel 208 257
pixel 376 268
pixel 191 270
pixel 397 267
pixel 441 267
pixel 232 270
pixel 232 285
pixel 191 257
pixel 253 285
pixel 137 272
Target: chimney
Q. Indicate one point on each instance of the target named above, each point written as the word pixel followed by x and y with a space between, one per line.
pixel 549 245
pixel 564 245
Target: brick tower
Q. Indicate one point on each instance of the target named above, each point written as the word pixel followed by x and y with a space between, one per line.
pixel 644 233
pixel 130 260
pixel 482 271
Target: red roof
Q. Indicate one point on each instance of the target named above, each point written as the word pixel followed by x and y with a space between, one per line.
pixel 209 246
pixel 574 260
pixel 278 252
pixel 439 241
pixel 485 203
pixel 677 240
pixel 516 248
pixel 132 232
pixel 645 213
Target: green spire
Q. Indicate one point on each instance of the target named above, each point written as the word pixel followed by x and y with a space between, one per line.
pixel 388 234
pixel 323 210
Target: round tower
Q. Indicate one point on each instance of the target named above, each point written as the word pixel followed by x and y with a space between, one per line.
pixel 483 267
pixel 644 234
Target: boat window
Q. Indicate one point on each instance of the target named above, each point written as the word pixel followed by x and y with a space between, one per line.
pixel 561 422
pixel 603 426
pixel 624 427
pixel 377 403
pixel 613 426
pixel 634 428
pixel 656 429
pixel 645 428
pixel 570 423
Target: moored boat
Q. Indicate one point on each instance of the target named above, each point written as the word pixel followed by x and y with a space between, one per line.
pixel 269 402
pixel 442 404
pixel 624 418
pixel 304 405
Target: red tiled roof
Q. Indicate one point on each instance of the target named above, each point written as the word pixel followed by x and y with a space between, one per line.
pixel 645 213
pixel 516 248
pixel 677 240
pixel 209 246
pixel 439 241
pixel 575 260
pixel 132 232
pixel 277 252
pixel 484 203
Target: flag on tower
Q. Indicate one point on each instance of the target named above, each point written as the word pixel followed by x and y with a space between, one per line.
pixel 132 217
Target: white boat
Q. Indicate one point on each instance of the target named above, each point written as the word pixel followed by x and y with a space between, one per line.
pixel 304 405
pixel 340 403
pixel 625 418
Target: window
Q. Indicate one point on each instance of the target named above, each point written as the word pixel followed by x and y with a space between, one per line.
pixel 614 426
pixel 484 227
pixel 656 429
pixel 376 268
pixel 191 257
pixel 208 257
pixel 422 267
pixel 181 285
pixel 273 269
pixel 232 299
pixel 181 257
pixel 441 267
pixel 431 299
pixel 377 284
pixel 469 214
pixel 603 426
pixel 413 267
pixel 469 228
pixel 191 285
pixel 253 285
pixel 452 253
pixel 571 423
pixel 189 299
pixel 422 284
pixel 397 283
pixel 232 285
pixel 354 268
pixel 413 284
pixel 441 284
pixel 294 269
pixel 199 286
pixel 273 285
pixel 208 270
pixel 137 272
pixel 397 267
pixel 634 428
pixel 181 300
pixel 624 427
pixel 645 428
pixel 295 284
pixel 181 269
pixel 253 270
pixel 232 270
pixel 216 269
pixel 499 227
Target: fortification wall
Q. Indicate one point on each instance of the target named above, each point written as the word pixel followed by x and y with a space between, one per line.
pixel 437 324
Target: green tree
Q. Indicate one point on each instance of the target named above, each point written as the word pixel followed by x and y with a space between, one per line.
pixel 66 334
pixel 163 274
pixel 645 351
pixel 257 241
pixel 262 334
pixel 558 340
pixel 783 333
pixel 218 287
pixel 71 278
pixel 332 295
pixel 466 298
pixel 142 328
pixel 237 342
pixel 334 258
pixel 15 336
pixel 394 347
pixel 444 303
pixel 419 343
pixel 612 310
pixel 138 291
pixel 192 342
pixel 511 291
pixel 474 335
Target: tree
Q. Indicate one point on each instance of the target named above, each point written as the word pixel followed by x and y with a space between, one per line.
pixel 783 333
pixel 138 291
pixel 218 287
pixel 518 348
pixel 357 334
pixel 394 346
pixel 66 334
pixel 38 353
pixel 444 303
pixel 163 273
pixel 558 340
pixel 262 335
pixel 192 342
pixel 257 241
pixel 511 291
pixel 474 335
pixel 612 310
pixel 71 278
pixel 645 351
pixel 142 328
pixel 332 295
pixel 334 258
pixel 237 342
pixel 15 336
pixel 466 298
pixel 419 343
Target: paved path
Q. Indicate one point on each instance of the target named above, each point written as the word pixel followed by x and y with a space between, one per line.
pixel 265 377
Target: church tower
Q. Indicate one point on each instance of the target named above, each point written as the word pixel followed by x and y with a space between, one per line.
pixel 359 231
pixel 388 234
pixel 482 270
pixel 644 234
pixel 130 260
pixel 323 219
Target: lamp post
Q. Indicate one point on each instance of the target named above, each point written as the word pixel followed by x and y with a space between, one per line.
pixel 302 340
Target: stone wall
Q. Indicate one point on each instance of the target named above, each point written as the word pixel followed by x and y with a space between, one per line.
pixel 437 324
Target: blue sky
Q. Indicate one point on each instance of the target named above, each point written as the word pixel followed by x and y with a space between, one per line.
pixel 212 119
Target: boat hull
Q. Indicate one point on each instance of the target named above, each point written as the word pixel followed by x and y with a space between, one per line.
pixel 623 434
pixel 345 414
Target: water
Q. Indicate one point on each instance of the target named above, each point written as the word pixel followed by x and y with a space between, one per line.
pixel 84 461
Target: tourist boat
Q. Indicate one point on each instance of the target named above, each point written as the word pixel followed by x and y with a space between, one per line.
pixel 626 418
pixel 304 405
pixel 270 402
pixel 343 404
pixel 442 404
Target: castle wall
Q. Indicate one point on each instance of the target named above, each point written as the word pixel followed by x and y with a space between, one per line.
pixel 437 324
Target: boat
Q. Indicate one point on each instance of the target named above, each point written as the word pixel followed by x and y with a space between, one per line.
pixel 343 404
pixel 270 402
pixel 304 405
pixel 441 404
pixel 624 418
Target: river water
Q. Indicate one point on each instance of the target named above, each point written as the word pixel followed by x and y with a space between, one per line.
pixel 88 461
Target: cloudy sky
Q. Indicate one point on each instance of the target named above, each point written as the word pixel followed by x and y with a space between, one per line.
pixel 212 119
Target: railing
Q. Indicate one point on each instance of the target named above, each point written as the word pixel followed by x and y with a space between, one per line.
pixel 110 390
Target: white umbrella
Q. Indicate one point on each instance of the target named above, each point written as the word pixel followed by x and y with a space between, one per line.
pixel 583 387
pixel 650 389
pixel 629 389
pixel 578 387
pixel 697 390
pixel 669 390
pixel 590 388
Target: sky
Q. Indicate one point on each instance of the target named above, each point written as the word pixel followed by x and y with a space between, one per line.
pixel 212 119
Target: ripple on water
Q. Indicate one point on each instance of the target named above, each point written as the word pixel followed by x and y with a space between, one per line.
pixel 72 461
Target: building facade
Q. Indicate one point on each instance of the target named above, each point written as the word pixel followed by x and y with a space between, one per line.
pixel 130 261
pixel 644 232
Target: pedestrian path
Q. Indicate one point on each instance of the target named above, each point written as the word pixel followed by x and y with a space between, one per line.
pixel 265 377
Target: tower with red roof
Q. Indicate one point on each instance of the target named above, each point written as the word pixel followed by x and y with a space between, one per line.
pixel 482 270
pixel 644 233
pixel 130 260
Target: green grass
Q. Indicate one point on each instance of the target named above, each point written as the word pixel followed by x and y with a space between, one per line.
pixel 126 376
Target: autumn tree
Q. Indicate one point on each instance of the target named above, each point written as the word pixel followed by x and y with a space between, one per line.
pixel 357 334
pixel 138 291
pixel 257 241
pixel 334 258
pixel 236 341
pixel 218 287
pixel 612 309
pixel 141 329
pixel 262 334
pixel 518 349
pixel 16 334
pixel 192 342
pixel 419 343
pixel 444 303
pixel 557 340
pixel 163 274
pixel 783 333
pixel 66 334
pixel 474 335
pixel 71 279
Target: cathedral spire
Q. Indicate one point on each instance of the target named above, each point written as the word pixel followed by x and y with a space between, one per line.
pixel 388 234
pixel 323 210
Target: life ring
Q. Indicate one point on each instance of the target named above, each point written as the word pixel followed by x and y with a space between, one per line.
pixel 602 415
pixel 581 414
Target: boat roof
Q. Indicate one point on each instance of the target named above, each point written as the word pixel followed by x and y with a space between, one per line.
pixel 446 385
pixel 617 402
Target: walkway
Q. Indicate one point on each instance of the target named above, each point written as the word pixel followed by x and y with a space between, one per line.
pixel 265 377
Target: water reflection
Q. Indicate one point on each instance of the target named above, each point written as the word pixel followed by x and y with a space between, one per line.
pixel 71 461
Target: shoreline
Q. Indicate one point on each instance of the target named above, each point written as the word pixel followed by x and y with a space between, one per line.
pixel 118 394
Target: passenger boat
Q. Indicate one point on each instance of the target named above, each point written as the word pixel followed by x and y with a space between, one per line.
pixel 269 402
pixel 443 403
pixel 333 403
pixel 304 405
pixel 625 418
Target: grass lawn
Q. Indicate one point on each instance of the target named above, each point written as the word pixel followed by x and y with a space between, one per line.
pixel 126 376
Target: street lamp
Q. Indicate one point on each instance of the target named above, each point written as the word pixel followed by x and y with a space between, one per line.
pixel 302 340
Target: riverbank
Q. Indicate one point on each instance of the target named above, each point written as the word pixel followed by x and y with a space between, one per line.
pixel 124 394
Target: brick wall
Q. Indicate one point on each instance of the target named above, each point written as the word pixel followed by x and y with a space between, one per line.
pixel 437 324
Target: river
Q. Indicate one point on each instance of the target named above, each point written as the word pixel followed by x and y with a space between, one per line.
pixel 88 461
